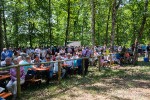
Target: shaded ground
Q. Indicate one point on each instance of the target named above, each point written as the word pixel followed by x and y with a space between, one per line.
pixel 125 83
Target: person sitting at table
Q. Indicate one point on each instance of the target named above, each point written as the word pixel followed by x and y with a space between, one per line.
pixel 49 73
pixel 69 64
pixel 55 69
pixel 37 62
pixel 6 62
pixel 127 57
pixel 114 59
pixel 29 74
pixel 12 84
pixel 104 62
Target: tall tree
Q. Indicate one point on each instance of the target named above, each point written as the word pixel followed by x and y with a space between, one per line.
pixel 50 24
pixel 68 22
pixel 140 32
pixel 93 23
pixel 4 24
pixel 1 33
pixel 107 25
pixel 116 4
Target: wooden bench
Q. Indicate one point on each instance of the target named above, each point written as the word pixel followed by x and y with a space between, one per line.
pixel 5 94
pixel 32 81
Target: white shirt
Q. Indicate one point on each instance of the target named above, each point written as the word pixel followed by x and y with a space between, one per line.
pixel 69 62
pixel 55 70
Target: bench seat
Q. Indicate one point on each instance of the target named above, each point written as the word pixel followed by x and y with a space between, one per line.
pixel 5 94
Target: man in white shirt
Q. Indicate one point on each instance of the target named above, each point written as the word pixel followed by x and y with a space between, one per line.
pixel 69 64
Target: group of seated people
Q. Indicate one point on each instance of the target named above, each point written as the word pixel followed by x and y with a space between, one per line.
pixel 119 58
pixel 29 72
pixel 68 63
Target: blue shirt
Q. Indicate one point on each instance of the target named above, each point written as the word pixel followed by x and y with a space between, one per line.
pixel 118 56
pixel 10 53
pixel 4 55
pixel 79 62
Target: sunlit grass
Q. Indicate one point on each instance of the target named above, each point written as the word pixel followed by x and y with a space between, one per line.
pixel 97 84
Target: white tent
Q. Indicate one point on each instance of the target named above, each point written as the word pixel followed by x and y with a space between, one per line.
pixel 74 43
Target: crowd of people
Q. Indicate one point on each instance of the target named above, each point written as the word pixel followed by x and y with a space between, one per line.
pixel 70 55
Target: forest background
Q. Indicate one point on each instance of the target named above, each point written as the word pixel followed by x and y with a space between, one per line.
pixel 31 23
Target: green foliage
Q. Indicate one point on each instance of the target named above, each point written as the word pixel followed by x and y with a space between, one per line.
pixel 20 14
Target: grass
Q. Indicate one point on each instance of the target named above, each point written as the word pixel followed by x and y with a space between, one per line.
pixel 126 83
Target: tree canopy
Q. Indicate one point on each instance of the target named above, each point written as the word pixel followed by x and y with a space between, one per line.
pixel 30 23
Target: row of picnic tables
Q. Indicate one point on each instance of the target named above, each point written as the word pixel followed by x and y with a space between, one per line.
pixel 7 76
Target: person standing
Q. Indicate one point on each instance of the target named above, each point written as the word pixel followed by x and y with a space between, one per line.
pixel 86 53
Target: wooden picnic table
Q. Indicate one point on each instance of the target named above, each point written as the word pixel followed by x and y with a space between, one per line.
pixel 64 65
pixel 40 72
pixel 41 69
pixel 5 94
pixel 4 77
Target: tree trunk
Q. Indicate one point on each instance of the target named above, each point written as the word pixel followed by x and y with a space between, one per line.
pixel 16 27
pixel 117 35
pixel 75 29
pixel 15 32
pixel 1 32
pixel 68 20
pixel 93 23
pixel 114 15
pixel 4 23
pixel 98 31
pixel 29 24
pixel 143 20
pixel 140 32
pixel 106 39
pixel 30 28
pixel 49 23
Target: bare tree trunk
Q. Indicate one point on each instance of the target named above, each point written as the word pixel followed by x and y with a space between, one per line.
pixel 75 29
pixel 49 23
pixel 15 32
pixel 143 20
pixel 31 28
pixel 4 23
pixel 117 35
pixel 68 20
pixel 113 24
pixel 93 23
pixel 15 23
pixel 106 38
pixel 140 32
pixel 29 24
pixel 1 32
pixel 114 15
pixel 82 31
pixel 98 33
